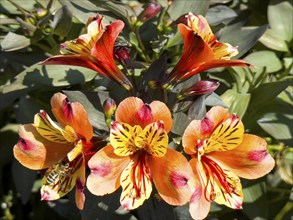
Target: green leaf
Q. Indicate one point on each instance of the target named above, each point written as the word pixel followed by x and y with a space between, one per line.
pixel 93 109
pixel 267 92
pixel 14 41
pixel 182 7
pixel 219 14
pixel 280 16
pixel 180 122
pixel 277 125
pixel 237 102
pixel 273 40
pixel 255 204
pixel 269 60
pixel 62 21
pixel 213 100
pixel 245 38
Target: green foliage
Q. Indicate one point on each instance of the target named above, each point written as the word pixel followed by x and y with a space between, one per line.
pixel 261 96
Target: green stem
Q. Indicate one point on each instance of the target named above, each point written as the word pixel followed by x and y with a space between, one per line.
pixel 142 52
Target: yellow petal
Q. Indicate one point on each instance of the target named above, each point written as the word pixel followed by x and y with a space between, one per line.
pixel 106 168
pixel 122 138
pixel 153 139
pixel 221 186
pixel 80 185
pixel 61 178
pixel 136 183
pixel 227 135
pixel 77 150
pixel 49 129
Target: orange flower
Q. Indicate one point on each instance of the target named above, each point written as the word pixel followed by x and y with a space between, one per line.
pixel 59 149
pixel 94 50
pixel 202 51
pixel 138 155
pixel 221 153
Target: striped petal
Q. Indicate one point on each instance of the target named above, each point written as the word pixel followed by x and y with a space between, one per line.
pixel 172 176
pixel 122 138
pixel 72 114
pixel 221 185
pixel 61 178
pixel 227 135
pixel 136 183
pixel 153 139
pixel 49 129
pixel 106 168
pixel 36 152
pixel 249 160
pixel 202 129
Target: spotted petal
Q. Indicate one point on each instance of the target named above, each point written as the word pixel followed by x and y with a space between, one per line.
pixel 122 138
pixel 136 183
pixel 153 139
pixel 227 135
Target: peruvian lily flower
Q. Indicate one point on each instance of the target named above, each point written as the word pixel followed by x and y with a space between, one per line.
pixel 221 153
pixel 60 148
pixel 138 155
pixel 202 51
pixel 94 50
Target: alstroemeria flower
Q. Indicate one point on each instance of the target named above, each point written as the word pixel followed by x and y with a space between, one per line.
pixel 94 50
pixel 59 148
pixel 138 155
pixel 202 51
pixel 221 153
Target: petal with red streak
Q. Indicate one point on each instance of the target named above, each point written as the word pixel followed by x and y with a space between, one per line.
pixel 172 176
pixel 36 152
pixel 106 168
pixel 72 114
pixel 249 160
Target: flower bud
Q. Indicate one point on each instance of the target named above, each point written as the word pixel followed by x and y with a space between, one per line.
pixel 122 55
pixel 150 11
pixel 41 13
pixel 109 109
pixel 199 88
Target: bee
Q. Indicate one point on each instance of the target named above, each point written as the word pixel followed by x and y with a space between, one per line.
pixel 56 173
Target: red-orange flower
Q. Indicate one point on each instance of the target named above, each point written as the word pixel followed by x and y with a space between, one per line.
pixel 94 50
pixel 61 149
pixel 138 155
pixel 202 51
pixel 221 153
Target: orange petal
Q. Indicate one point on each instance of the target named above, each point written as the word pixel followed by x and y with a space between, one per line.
pixel 162 113
pixel 172 176
pixel 80 184
pixel 106 168
pixel 199 207
pixel 127 110
pixel 35 152
pixel 72 114
pixel 249 160
pixel 202 129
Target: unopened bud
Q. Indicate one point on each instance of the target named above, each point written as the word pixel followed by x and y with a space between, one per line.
pixel 109 109
pixel 199 88
pixel 41 13
pixel 31 19
pixel 151 10
pixel 122 55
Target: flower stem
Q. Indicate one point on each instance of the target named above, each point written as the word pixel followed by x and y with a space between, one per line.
pixel 142 52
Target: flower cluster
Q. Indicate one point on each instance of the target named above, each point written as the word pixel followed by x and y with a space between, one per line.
pixel 137 156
